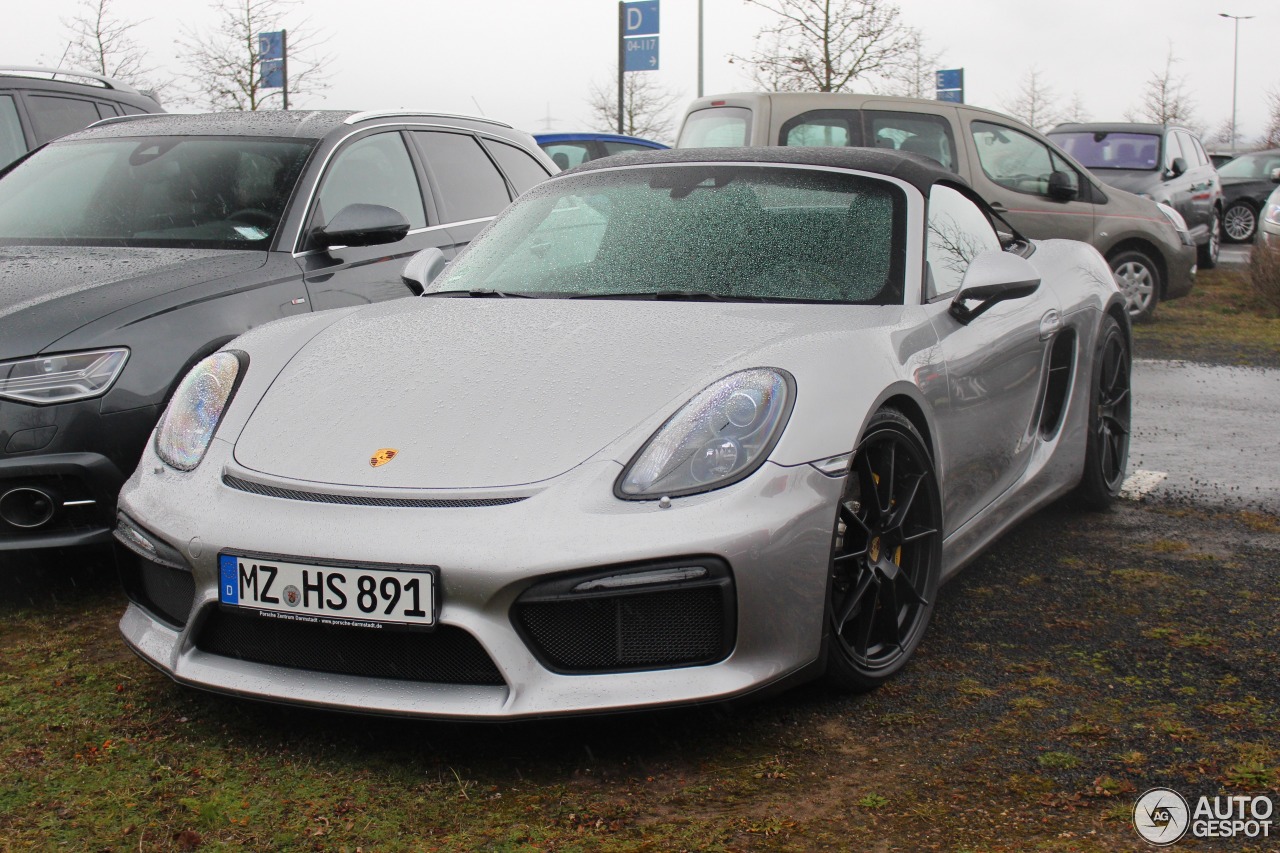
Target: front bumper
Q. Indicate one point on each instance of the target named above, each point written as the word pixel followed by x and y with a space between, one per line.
pixel 75 455
pixel 772 531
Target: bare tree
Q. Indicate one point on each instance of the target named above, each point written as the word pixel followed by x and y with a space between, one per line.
pixel 827 45
pixel 100 42
pixel 1034 101
pixel 225 65
pixel 1164 98
pixel 1224 135
pixel 646 106
pixel 916 73
pixel 1075 110
pixel 1271 137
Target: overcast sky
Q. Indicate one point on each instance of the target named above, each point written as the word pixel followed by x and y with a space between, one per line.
pixel 532 63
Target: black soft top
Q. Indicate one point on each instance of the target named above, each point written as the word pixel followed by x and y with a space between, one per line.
pixel 919 171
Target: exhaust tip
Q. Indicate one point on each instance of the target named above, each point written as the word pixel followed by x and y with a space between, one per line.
pixel 27 507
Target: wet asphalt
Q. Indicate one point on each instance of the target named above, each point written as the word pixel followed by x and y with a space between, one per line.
pixel 1213 431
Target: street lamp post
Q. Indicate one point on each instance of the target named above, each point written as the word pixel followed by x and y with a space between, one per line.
pixel 1235 71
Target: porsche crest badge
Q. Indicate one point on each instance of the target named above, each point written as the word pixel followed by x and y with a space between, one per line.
pixel 382 456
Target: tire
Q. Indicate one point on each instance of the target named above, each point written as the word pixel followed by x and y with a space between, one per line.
pixel 1110 409
pixel 886 556
pixel 1239 223
pixel 1138 278
pixel 1207 255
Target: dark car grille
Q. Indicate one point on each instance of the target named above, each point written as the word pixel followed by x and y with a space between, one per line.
pixel 167 593
pixel 446 655
pixel 683 624
pixel 362 500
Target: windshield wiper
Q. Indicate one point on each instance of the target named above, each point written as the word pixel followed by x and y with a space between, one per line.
pixel 675 296
pixel 482 293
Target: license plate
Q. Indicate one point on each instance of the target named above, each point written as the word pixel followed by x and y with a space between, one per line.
pixel 345 594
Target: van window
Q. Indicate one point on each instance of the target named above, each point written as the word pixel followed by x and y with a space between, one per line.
pixel 914 132
pixel 821 128
pixel 718 127
pixel 1017 161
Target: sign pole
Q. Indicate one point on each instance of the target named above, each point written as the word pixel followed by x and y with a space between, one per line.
pixel 622 57
pixel 284 67
pixel 699 48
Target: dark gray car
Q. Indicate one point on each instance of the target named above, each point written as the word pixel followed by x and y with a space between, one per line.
pixel 1164 163
pixel 133 249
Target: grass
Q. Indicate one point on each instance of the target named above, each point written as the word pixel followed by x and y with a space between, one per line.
pixel 1222 321
pixel 1031 717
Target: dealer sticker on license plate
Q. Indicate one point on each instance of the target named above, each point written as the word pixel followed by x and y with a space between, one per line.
pixel 335 595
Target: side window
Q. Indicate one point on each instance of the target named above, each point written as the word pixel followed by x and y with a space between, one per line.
pixel 623 147
pixel 958 232
pixel 107 110
pixel 52 117
pixel 1173 150
pixel 822 128
pixel 372 170
pixel 1017 161
pixel 469 185
pixel 914 132
pixel 566 155
pixel 1192 151
pixel 521 169
pixel 12 145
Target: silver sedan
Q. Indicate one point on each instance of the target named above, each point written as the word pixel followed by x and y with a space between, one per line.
pixel 678 427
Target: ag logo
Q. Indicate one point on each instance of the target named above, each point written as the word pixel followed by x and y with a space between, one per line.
pixel 382 456
pixel 1161 816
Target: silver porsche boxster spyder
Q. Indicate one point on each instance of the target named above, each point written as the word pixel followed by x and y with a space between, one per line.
pixel 679 427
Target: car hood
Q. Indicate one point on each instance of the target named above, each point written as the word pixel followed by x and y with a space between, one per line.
pixel 1131 180
pixel 47 292
pixel 507 392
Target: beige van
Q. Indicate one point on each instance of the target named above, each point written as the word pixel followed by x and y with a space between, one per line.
pixel 1023 176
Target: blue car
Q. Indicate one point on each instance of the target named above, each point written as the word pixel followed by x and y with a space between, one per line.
pixel 573 149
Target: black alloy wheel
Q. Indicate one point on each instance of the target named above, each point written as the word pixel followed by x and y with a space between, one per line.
pixel 886 556
pixel 1110 419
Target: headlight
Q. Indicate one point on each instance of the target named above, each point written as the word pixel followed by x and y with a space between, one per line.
pixel 1173 216
pixel 1273 214
pixel 719 437
pixel 61 378
pixel 196 408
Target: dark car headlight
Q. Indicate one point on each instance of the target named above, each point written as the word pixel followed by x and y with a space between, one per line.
pixel 717 438
pixel 61 378
pixel 196 409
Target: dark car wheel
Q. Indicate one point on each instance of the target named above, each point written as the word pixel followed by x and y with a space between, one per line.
pixel 1239 223
pixel 1139 280
pixel 1107 446
pixel 1207 255
pixel 886 556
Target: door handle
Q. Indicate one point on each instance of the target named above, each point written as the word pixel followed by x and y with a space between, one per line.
pixel 998 207
pixel 1050 323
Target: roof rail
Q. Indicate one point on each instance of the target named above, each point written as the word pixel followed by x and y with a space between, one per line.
pixel 105 82
pixel 355 117
pixel 117 119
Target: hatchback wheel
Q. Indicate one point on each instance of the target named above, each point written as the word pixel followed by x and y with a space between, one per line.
pixel 1239 223
pixel 1207 256
pixel 1139 281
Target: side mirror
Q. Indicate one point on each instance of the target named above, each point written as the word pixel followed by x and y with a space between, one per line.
pixel 1178 167
pixel 992 277
pixel 423 268
pixel 1275 176
pixel 1061 188
pixel 361 225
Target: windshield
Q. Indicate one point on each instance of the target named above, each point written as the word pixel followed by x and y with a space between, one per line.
pixel 1096 149
pixel 155 192
pixel 702 231
pixel 1255 167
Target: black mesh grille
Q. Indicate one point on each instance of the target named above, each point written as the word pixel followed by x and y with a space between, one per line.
pixel 447 655
pixel 359 500
pixel 633 631
pixel 167 593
